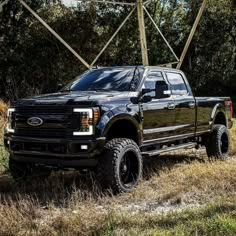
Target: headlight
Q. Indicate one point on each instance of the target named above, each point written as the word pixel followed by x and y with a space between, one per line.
pixel 10 121
pixel 88 120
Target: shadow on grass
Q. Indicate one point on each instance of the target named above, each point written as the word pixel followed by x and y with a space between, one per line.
pixel 61 186
pixel 155 165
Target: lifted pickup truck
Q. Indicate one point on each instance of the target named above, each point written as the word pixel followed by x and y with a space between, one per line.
pixel 109 119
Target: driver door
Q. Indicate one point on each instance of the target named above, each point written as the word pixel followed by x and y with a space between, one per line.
pixel 159 114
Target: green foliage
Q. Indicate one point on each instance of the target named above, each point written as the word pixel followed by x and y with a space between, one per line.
pixel 211 63
pixel 32 61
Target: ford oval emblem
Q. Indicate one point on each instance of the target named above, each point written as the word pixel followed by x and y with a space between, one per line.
pixel 34 121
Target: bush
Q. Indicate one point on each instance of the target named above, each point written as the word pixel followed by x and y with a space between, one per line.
pixel 3 116
pixel 3 110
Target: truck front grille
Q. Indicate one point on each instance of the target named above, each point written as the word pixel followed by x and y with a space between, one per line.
pixel 42 133
pixel 58 121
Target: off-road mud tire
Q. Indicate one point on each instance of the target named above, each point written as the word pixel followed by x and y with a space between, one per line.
pixel 121 157
pixel 218 143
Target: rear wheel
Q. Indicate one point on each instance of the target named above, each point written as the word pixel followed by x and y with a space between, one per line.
pixel 218 144
pixel 22 170
pixel 120 165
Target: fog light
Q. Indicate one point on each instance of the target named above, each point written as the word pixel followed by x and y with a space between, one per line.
pixel 84 147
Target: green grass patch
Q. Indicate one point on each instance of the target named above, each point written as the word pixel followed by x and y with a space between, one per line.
pixel 217 219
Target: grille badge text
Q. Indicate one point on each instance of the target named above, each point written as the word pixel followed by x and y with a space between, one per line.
pixel 34 121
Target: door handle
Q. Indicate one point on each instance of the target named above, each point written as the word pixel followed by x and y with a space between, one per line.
pixel 171 106
pixel 191 105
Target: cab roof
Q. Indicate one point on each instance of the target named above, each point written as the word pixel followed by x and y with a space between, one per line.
pixel 163 68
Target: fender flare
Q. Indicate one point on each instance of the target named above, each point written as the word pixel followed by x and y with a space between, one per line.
pixel 108 120
pixel 219 108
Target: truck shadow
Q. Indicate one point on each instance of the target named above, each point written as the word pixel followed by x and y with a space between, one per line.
pixel 155 165
pixel 60 187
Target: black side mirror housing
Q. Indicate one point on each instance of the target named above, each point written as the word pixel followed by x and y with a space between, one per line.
pixel 146 98
pixel 145 91
pixel 142 97
pixel 162 90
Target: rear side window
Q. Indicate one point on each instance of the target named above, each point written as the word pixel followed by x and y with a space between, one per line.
pixel 152 78
pixel 178 86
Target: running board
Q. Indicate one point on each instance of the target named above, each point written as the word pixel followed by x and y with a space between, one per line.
pixel 168 149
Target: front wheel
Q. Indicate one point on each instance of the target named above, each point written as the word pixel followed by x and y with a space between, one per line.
pixel 120 166
pixel 218 143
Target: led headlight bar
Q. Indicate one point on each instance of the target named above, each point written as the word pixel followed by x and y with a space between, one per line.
pixel 86 119
pixel 10 128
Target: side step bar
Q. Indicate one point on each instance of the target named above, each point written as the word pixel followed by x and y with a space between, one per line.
pixel 168 149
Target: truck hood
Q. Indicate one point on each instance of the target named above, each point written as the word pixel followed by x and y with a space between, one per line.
pixel 74 98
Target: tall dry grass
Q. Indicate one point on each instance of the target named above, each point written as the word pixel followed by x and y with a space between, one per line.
pixel 233 138
pixel 3 115
pixel 174 198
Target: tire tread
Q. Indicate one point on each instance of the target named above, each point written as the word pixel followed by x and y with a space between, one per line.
pixel 213 143
pixel 106 174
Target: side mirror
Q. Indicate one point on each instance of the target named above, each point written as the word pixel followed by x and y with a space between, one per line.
pixel 145 91
pixel 142 97
pixel 146 98
pixel 162 90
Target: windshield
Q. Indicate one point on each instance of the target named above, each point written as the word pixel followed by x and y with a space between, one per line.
pixel 109 79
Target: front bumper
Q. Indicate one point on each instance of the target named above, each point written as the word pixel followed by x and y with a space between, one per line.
pixel 55 152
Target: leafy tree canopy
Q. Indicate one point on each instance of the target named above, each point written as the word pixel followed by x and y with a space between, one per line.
pixel 32 61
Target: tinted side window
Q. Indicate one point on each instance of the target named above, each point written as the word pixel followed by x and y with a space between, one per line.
pixel 152 78
pixel 178 86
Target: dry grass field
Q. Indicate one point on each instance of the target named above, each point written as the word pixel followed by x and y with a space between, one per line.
pixel 181 194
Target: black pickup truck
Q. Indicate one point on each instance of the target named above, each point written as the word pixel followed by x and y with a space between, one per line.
pixel 109 119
